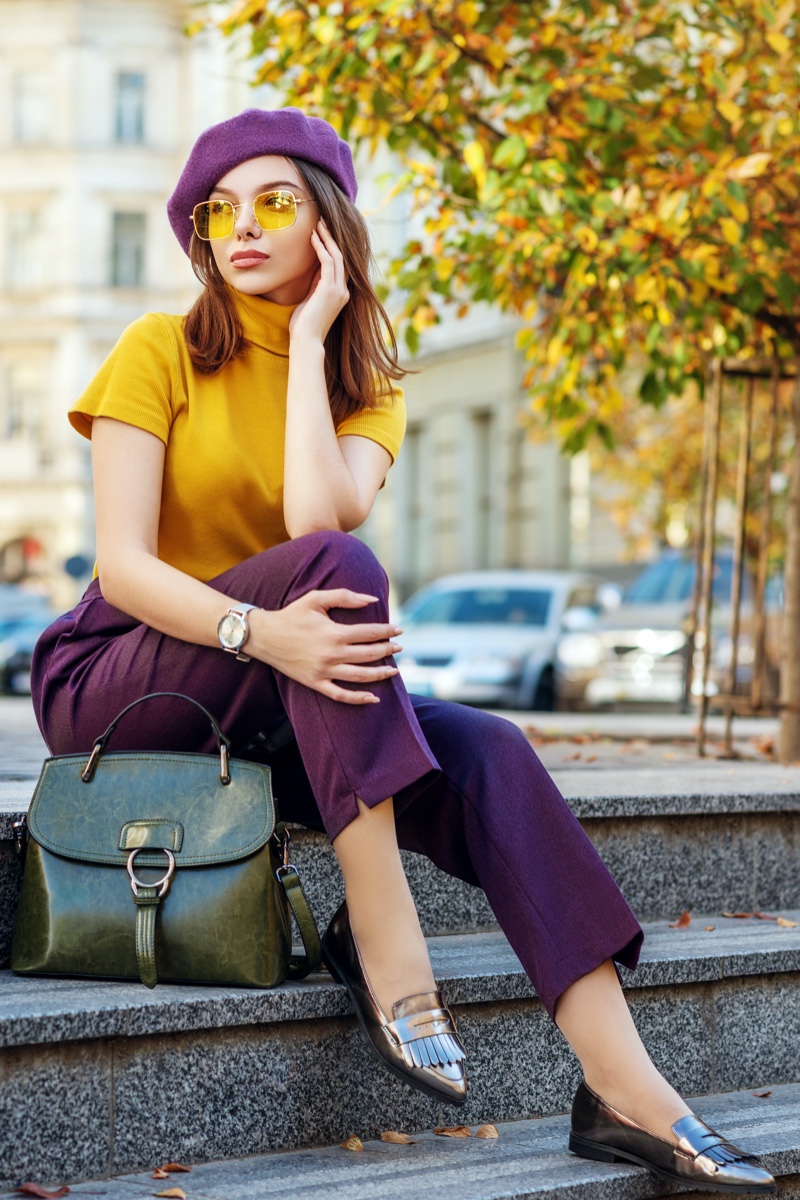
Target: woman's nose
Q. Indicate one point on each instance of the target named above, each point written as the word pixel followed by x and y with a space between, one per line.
pixel 246 224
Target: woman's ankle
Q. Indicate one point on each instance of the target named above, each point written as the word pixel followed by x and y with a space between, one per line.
pixel 394 954
pixel 652 1103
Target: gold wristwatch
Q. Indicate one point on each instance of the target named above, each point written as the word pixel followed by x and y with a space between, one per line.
pixel 234 630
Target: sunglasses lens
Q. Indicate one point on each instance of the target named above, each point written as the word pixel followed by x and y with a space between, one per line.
pixel 214 219
pixel 275 210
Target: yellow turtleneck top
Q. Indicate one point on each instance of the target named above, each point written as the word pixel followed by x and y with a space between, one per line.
pixel 222 495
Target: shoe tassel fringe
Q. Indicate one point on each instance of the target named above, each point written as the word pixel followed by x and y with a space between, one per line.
pixel 433 1050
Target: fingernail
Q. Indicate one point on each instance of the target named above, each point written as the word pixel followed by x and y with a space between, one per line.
pixel 394 646
pixel 364 596
pixel 396 630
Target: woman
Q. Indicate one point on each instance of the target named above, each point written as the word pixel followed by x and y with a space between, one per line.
pixel 233 451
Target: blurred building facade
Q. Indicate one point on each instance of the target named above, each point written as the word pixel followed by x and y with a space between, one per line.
pixel 99 105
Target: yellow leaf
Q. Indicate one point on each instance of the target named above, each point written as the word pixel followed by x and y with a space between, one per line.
pixel 778 42
pixel 487 1131
pixel 738 209
pixel 172 1194
pixel 664 315
pixel 496 55
pixel 454 1131
pixel 400 1139
pixel 548 35
pixel 353 1143
pixel 475 158
pixel 785 13
pixel 468 12
pixel 736 81
pixel 786 923
pixel 587 238
pixel 731 231
pixel 730 111
pixel 749 167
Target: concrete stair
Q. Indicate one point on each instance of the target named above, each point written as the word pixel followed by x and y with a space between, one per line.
pixel 529 1161
pixel 108 1078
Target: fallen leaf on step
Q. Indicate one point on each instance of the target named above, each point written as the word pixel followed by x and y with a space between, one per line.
pixel 763 1095
pixel 708 928
pixel 353 1143
pixel 401 1139
pixel 487 1131
pixel 737 916
pixel 589 758
pixel 786 923
pixel 35 1189
pixel 683 921
pixel 764 916
pixel 453 1131
pixel 160 1174
pixel 572 757
pixel 173 1167
pixel 172 1194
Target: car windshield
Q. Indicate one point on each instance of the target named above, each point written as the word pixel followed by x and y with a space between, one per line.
pixel 672 579
pixel 482 606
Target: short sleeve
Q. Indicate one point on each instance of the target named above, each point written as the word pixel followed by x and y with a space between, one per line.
pixel 385 423
pixel 136 382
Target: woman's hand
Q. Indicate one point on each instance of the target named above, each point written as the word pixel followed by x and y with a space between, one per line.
pixel 328 293
pixel 305 643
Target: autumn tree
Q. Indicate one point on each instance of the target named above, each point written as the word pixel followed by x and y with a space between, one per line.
pixel 621 177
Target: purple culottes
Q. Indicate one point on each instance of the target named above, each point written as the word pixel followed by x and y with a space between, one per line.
pixel 469 791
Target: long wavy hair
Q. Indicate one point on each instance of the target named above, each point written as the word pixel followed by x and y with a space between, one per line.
pixel 361 356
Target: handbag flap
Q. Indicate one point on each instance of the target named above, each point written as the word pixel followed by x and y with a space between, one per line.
pixel 219 822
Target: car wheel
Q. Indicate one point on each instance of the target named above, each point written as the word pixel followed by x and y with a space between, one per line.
pixel 544 694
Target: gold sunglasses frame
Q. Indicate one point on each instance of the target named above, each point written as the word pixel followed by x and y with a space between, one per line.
pixel 251 204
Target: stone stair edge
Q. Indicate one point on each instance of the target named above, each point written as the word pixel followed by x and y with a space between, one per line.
pixel 473 969
pixel 528 1161
pixel 589 798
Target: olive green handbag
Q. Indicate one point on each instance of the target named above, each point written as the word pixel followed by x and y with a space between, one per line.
pixel 159 866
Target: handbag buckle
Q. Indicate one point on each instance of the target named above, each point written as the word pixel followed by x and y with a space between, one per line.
pixel 162 883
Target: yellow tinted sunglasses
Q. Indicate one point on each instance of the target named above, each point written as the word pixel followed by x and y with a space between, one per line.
pixel 272 210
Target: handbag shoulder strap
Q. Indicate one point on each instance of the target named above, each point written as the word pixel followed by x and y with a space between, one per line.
pixel 301 965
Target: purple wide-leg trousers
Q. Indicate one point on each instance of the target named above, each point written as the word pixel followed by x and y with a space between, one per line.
pixel 469 791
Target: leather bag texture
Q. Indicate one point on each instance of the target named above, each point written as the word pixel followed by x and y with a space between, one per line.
pixel 159 866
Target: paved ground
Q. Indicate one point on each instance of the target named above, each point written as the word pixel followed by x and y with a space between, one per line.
pixel 572 741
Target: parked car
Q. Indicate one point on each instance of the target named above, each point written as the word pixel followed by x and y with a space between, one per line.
pixel 24 615
pixel 638 653
pixel 489 637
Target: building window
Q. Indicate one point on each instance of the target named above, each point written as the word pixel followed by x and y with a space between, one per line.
pixel 25 249
pixel 21 413
pixel 32 115
pixel 129 127
pixel 127 249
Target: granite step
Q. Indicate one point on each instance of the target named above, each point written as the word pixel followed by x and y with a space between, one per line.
pixel 528 1161
pixel 106 1078
pixel 721 836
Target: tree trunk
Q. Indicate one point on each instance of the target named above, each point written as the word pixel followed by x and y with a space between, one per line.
pixel 790 633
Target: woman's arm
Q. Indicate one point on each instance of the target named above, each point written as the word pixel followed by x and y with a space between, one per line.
pixel 299 640
pixel 329 482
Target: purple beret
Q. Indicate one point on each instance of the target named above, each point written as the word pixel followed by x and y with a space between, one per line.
pixel 253 133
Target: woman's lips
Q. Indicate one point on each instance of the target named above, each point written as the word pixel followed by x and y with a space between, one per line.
pixel 248 258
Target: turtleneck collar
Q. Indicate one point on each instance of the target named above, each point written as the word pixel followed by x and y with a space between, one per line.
pixel 264 323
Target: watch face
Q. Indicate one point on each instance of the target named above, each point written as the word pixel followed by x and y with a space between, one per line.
pixel 232 631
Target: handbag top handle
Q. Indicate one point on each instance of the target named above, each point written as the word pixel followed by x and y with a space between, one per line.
pixel 223 743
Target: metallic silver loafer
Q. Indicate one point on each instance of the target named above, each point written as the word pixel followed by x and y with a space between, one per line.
pixel 700 1159
pixel 420 1042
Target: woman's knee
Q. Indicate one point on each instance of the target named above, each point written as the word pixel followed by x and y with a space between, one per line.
pixel 341 560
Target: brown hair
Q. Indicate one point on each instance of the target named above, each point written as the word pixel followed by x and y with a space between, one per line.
pixel 360 349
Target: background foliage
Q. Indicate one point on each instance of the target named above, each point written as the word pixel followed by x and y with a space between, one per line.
pixel 622 177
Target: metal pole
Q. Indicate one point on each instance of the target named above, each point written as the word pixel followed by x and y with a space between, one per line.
pixel 765 519
pixel 706 598
pixel 738 558
pixel 689 674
